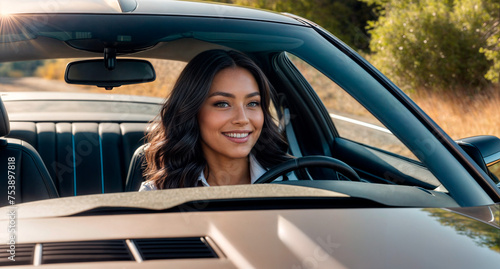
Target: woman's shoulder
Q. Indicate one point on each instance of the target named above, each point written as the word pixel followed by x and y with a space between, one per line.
pixel 148 186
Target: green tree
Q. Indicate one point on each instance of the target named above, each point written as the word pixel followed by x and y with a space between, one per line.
pixel 482 234
pixel 491 31
pixel 19 69
pixel 432 44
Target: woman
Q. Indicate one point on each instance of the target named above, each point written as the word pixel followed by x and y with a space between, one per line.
pixel 215 128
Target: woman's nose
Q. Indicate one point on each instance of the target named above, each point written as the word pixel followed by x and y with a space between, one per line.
pixel 240 116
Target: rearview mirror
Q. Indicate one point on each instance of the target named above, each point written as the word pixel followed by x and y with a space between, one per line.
pixel 485 151
pixel 94 72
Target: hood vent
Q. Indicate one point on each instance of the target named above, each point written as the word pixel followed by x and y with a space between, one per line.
pixel 85 251
pixel 107 250
pixel 23 254
pixel 174 248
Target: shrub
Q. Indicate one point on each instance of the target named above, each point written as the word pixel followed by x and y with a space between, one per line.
pixel 432 43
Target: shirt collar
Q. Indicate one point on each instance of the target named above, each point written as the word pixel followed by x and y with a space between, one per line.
pixel 256 170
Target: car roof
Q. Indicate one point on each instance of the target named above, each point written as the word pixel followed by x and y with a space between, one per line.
pixel 160 7
pixel 37 30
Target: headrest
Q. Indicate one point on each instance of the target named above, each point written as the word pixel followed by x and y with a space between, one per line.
pixel 4 120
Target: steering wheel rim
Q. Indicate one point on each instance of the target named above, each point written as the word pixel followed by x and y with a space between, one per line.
pixel 308 161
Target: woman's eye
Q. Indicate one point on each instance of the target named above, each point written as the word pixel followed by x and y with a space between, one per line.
pixel 254 104
pixel 221 104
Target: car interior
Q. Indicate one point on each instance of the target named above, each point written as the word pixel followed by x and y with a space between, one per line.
pixel 34 181
pixel 100 151
pixel 92 153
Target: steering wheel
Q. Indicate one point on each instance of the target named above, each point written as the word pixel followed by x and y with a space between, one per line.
pixel 308 161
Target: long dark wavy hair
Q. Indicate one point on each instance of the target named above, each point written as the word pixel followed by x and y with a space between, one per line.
pixel 174 157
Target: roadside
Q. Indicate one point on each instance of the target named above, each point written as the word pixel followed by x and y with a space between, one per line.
pixel 462 114
pixel 30 84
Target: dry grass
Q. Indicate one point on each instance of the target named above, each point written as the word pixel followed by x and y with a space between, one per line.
pixel 462 114
pixel 333 96
pixel 53 69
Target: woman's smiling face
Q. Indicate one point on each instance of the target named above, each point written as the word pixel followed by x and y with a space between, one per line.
pixel 231 118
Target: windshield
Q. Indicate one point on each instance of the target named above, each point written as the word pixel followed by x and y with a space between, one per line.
pixel 325 104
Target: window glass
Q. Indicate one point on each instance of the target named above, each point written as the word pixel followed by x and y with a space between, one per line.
pixel 351 119
pixel 495 170
pixel 48 75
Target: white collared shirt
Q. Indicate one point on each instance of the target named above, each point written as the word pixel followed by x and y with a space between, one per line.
pixel 256 170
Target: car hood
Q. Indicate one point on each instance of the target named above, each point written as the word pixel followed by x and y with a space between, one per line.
pixel 395 238
pixel 286 237
pixel 399 238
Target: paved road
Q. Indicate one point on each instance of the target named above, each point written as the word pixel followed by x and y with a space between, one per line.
pixel 369 134
pixel 29 84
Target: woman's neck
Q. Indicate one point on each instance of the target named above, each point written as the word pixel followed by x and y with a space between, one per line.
pixel 227 172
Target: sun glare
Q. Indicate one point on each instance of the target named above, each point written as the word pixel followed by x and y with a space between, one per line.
pixel 5 11
pixel 12 28
pixel 6 22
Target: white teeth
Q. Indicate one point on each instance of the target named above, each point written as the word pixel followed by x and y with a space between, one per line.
pixel 237 135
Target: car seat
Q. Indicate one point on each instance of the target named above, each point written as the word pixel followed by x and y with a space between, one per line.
pixel 23 175
pixel 136 169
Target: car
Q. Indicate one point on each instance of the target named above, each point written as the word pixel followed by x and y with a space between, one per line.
pixel 381 185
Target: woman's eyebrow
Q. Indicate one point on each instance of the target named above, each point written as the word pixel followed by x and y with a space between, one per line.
pixel 253 94
pixel 225 94
pixel 230 95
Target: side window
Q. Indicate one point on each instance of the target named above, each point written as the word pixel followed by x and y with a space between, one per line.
pixel 351 119
pixel 495 170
